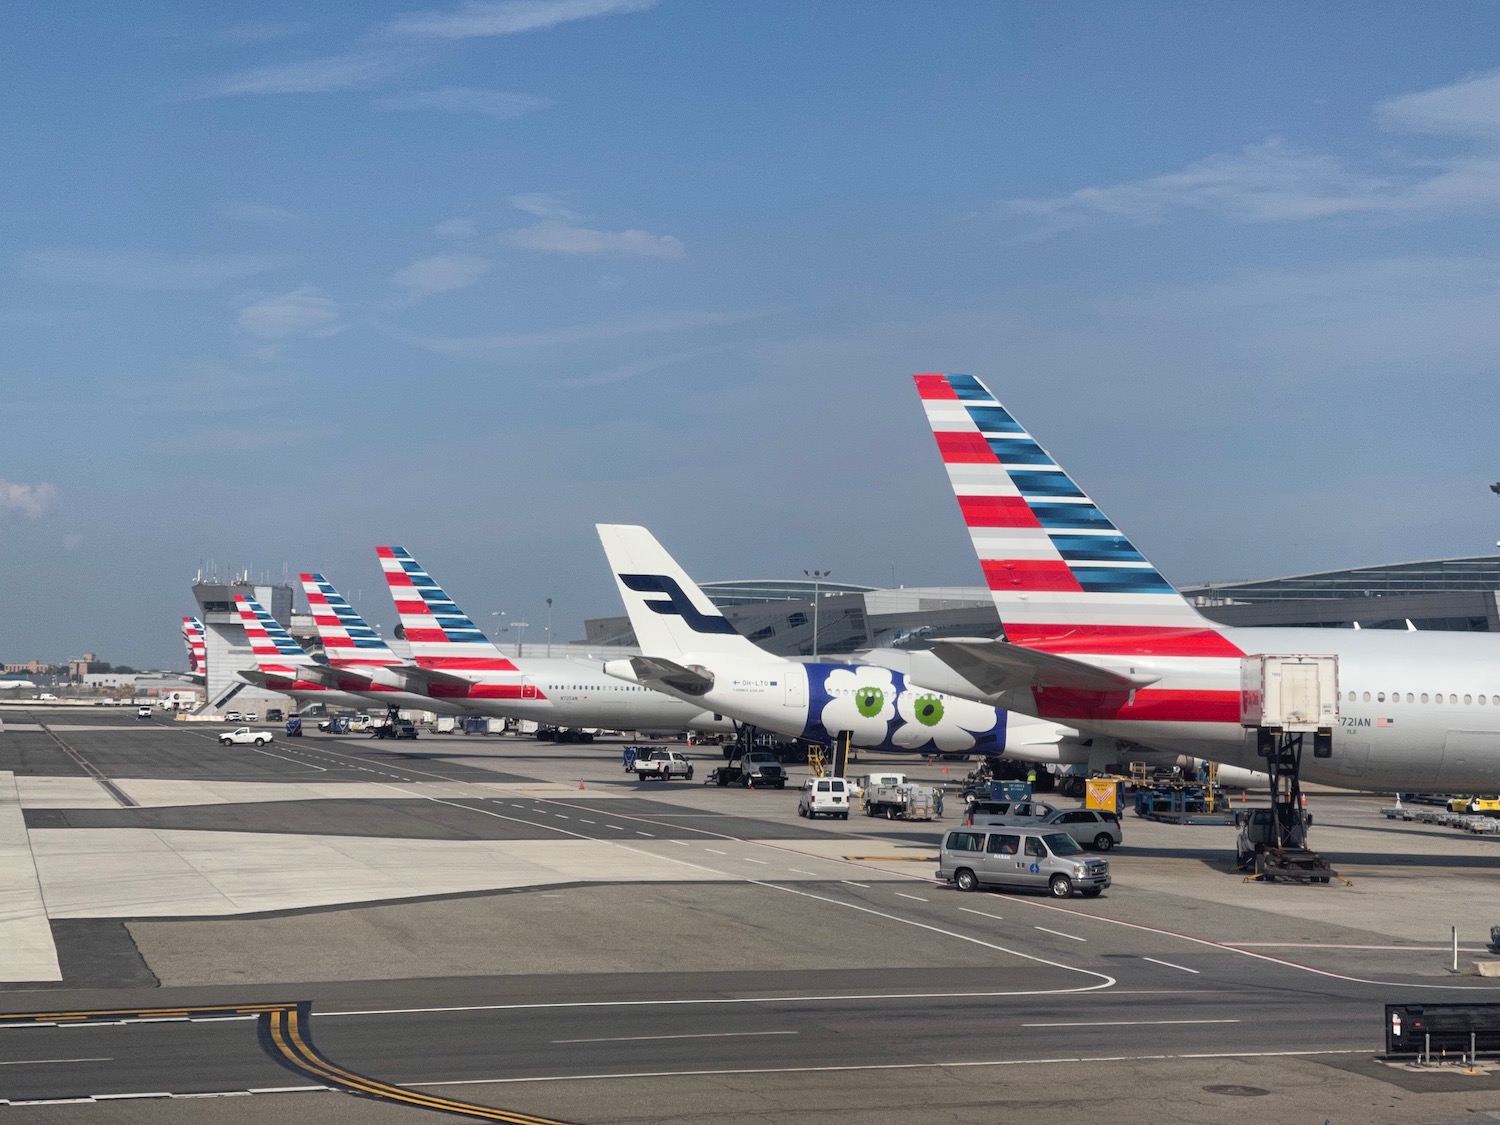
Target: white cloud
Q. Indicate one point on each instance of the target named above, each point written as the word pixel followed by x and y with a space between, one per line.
pixel 352 71
pixel 552 236
pixel 1275 182
pixel 143 272
pixel 302 312
pixel 476 20
pixel 248 212
pixel 29 500
pixel 458 230
pixel 544 206
pixel 498 104
pixel 442 273
pixel 1470 108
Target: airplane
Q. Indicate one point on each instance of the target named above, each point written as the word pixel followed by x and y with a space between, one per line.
pixel 565 694
pixel 197 649
pixel 690 650
pixel 284 666
pixel 1098 639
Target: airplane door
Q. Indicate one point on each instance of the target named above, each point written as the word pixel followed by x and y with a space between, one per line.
pixel 796 689
pixel 528 689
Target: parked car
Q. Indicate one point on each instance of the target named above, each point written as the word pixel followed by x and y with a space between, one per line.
pixel 1003 856
pixel 1093 828
pixel 143 711
pixel 824 796
pixel 233 717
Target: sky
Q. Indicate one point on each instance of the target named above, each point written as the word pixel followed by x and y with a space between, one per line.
pixel 280 283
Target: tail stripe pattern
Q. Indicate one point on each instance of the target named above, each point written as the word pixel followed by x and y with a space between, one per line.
pixel 197 645
pixel 441 635
pixel 346 636
pixel 1062 575
pixel 275 650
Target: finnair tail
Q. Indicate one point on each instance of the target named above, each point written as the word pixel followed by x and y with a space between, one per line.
pixel 197 647
pixel 671 616
pixel 1062 575
pixel 440 634
pixel 276 653
pixel 346 637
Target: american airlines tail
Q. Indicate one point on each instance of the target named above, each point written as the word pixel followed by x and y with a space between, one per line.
pixel 1064 579
pixel 197 647
pixel 671 616
pixel 346 637
pixel 276 653
pixel 440 634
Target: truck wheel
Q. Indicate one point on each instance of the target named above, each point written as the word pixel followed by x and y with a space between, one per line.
pixel 640 776
pixel 689 774
pixel 1103 842
pixel 890 812
pixel 261 741
pixel 802 812
pixel 1060 886
pixel 226 741
pixel 844 815
pixel 965 879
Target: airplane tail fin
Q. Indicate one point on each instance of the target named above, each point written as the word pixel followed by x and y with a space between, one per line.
pixel 197 646
pixel 1062 575
pixel 275 650
pixel 440 634
pixel 671 616
pixel 346 637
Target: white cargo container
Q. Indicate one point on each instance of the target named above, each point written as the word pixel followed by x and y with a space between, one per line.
pixel 1297 693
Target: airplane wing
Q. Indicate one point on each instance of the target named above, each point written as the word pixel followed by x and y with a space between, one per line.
pixel 255 677
pixel 418 679
pixel 997 666
pixel 653 669
pixel 326 674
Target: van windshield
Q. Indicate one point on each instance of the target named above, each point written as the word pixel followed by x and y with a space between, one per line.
pixel 1060 843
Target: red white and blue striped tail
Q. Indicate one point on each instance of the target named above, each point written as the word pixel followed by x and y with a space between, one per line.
pixel 440 634
pixel 347 638
pixel 275 650
pixel 1062 575
pixel 197 645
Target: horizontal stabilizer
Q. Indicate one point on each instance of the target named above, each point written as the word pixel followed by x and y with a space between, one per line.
pixel 997 666
pixel 327 675
pixel 255 677
pixel 418 680
pixel 654 670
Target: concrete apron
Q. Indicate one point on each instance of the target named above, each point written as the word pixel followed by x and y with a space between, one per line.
pixel 27 952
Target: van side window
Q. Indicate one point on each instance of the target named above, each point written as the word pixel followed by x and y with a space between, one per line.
pixel 965 841
pixel 1034 847
pixel 824 787
pixel 1003 845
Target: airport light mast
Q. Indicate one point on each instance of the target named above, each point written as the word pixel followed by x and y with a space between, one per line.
pixel 817 576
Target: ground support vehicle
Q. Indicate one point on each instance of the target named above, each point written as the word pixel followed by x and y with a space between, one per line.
pixel 339 724
pixel 294 727
pixel 1004 856
pixel 661 764
pixel 904 801
pixel 1278 852
pixel 396 728
pixel 824 796
pixel 245 737
pixel 1183 803
pixel 758 769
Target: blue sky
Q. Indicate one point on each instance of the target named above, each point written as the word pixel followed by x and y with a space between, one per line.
pixel 282 285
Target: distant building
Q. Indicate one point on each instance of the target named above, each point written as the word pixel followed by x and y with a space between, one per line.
pixel 87 665
pixel 31 668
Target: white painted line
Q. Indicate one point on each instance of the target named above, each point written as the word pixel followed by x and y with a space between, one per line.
pixel 716 851
pixel 49 1062
pixel 616 827
pixel 1069 1060
pixel 1170 965
pixel 561 817
pixel 852 883
pixel 1121 1023
pixel 582 821
pixel 762 862
pixel 648 835
pixel 680 843
pixel 915 898
pixel 1059 933
pixel 701 1035
pixel 799 871
pixel 982 913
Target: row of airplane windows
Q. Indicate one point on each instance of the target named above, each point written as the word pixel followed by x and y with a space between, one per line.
pixel 591 687
pixel 1380 697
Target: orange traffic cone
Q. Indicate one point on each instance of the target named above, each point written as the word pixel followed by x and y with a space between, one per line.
pixel 580 783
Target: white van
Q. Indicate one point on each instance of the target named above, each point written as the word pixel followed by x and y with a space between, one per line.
pixel 1010 856
pixel 824 796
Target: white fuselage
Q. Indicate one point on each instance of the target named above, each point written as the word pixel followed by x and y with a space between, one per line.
pixel 1417 710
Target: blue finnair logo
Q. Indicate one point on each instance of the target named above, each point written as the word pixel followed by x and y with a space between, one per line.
pixel 677 602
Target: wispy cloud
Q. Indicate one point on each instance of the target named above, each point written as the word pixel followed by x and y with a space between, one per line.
pixel 1274 181
pixel 142 272
pixel 662 323
pixel 477 20
pixel 498 104
pixel 457 230
pixel 28 500
pixel 544 205
pixel 442 273
pixel 302 312
pixel 554 237
pixel 407 42
pixel 247 212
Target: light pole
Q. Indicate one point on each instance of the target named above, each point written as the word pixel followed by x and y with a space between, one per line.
pixel 520 640
pixel 549 628
pixel 817 576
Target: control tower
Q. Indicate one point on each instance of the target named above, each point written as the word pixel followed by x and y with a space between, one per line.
pixel 228 648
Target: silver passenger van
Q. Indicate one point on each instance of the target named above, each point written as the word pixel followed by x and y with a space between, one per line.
pixel 1006 856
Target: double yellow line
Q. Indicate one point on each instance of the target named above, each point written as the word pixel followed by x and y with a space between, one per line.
pixel 284 1035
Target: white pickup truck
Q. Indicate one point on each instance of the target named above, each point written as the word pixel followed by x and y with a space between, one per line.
pixel 245 737
pixel 663 765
